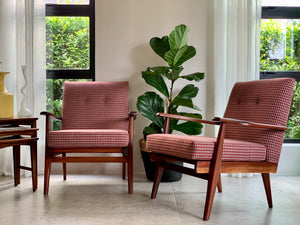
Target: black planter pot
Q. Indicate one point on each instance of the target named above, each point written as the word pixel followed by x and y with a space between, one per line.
pixel 150 166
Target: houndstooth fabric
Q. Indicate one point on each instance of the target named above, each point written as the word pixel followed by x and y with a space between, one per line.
pixel 90 138
pixel 95 105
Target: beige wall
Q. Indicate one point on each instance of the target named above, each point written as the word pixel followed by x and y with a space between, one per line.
pixel 123 31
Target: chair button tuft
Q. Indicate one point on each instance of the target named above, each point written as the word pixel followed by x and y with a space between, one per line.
pixel 257 101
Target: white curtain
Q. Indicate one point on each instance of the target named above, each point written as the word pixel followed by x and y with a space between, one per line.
pixel 233 35
pixel 22 42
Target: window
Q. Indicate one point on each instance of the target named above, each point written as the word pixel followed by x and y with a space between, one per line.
pixel 70 46
pixel 280 52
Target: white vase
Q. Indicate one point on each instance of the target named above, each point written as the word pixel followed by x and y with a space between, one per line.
pixel 24 111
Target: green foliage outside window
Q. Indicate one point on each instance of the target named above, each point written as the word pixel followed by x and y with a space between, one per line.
pixel 294 117
pixel 274 37
pixel 67 43
pixel 67 47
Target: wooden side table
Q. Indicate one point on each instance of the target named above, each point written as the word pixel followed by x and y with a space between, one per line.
pixel 16 132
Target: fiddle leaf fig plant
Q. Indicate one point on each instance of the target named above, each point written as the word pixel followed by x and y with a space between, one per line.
pixel 175 51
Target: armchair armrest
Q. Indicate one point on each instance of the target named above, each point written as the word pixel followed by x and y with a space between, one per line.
pixel 48 114
pixel 218 121
pixel 249 123
pixel 48 120
pixel 132 114
pixel 178 117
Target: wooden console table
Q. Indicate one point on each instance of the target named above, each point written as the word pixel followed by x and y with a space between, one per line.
pixel 16 132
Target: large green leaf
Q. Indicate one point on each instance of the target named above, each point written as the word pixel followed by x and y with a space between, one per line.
pixel 193 76
pixel 162 70
pixel 179 101
pixel 173 55
pixel 154 78
pixel 176 57
pixel 176 72
pixel 160 45
pixel 178 37
pixel 189 53
pixel 149 104
pixel 152 129
pixel 190 128
pixel 172 73
pixel 189 91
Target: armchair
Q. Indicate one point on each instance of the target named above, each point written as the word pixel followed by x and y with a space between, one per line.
pixel 94 119
pixel 249 140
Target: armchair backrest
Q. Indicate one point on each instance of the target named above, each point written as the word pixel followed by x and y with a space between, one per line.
pixel 264 101
pixel 95 105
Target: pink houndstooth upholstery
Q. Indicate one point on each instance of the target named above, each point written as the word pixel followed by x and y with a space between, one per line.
pixel 264 101
pixel 198 147
pixel 94 114
pixel 88 138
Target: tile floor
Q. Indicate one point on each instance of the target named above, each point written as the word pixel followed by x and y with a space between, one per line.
pixel 104 200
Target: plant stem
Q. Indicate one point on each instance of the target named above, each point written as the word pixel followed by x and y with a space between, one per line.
pixel 171 93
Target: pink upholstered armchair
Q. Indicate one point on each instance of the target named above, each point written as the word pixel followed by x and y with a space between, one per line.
pixel 249 140
pixel 95 119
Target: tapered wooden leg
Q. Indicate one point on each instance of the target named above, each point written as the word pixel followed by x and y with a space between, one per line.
pixel 267 184
pixel 220 184
pixel 64 167
pixel 16 156
pixel 47 175
pixel 157 177
pixel 211 190
pixel 130 171
pixel 33 150
pixel 123 171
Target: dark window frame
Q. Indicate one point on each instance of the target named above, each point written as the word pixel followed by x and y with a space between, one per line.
pixel 281 13
pixel 75 10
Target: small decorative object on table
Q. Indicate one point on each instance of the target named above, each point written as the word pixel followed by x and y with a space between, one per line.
pixel 24 111
pixel 6 99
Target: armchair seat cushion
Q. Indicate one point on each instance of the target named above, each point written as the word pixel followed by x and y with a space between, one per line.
pixel 88 138
pixel 201 148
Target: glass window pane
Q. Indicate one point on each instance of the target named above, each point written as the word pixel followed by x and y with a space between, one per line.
pixel 294 116
pixel 54 90
pixel 68 2
pixel 280 45
pixel 67 43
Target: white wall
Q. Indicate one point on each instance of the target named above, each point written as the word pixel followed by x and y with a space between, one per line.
pixel 123 31
pixel 289 160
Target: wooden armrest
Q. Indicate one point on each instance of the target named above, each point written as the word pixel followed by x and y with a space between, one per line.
pixel 132 114
pixel 178 117
pixel 44 113
pixel 249 123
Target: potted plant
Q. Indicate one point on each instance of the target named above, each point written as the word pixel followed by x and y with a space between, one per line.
pixel 175 51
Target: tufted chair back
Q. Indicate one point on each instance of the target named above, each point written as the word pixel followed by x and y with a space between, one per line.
pixel 95 105
pixel 260 101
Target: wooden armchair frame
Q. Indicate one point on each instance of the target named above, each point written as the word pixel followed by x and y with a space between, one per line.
pixel 211 170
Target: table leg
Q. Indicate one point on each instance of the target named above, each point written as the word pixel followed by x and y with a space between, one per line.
pixel 16 153
pixel 33 149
